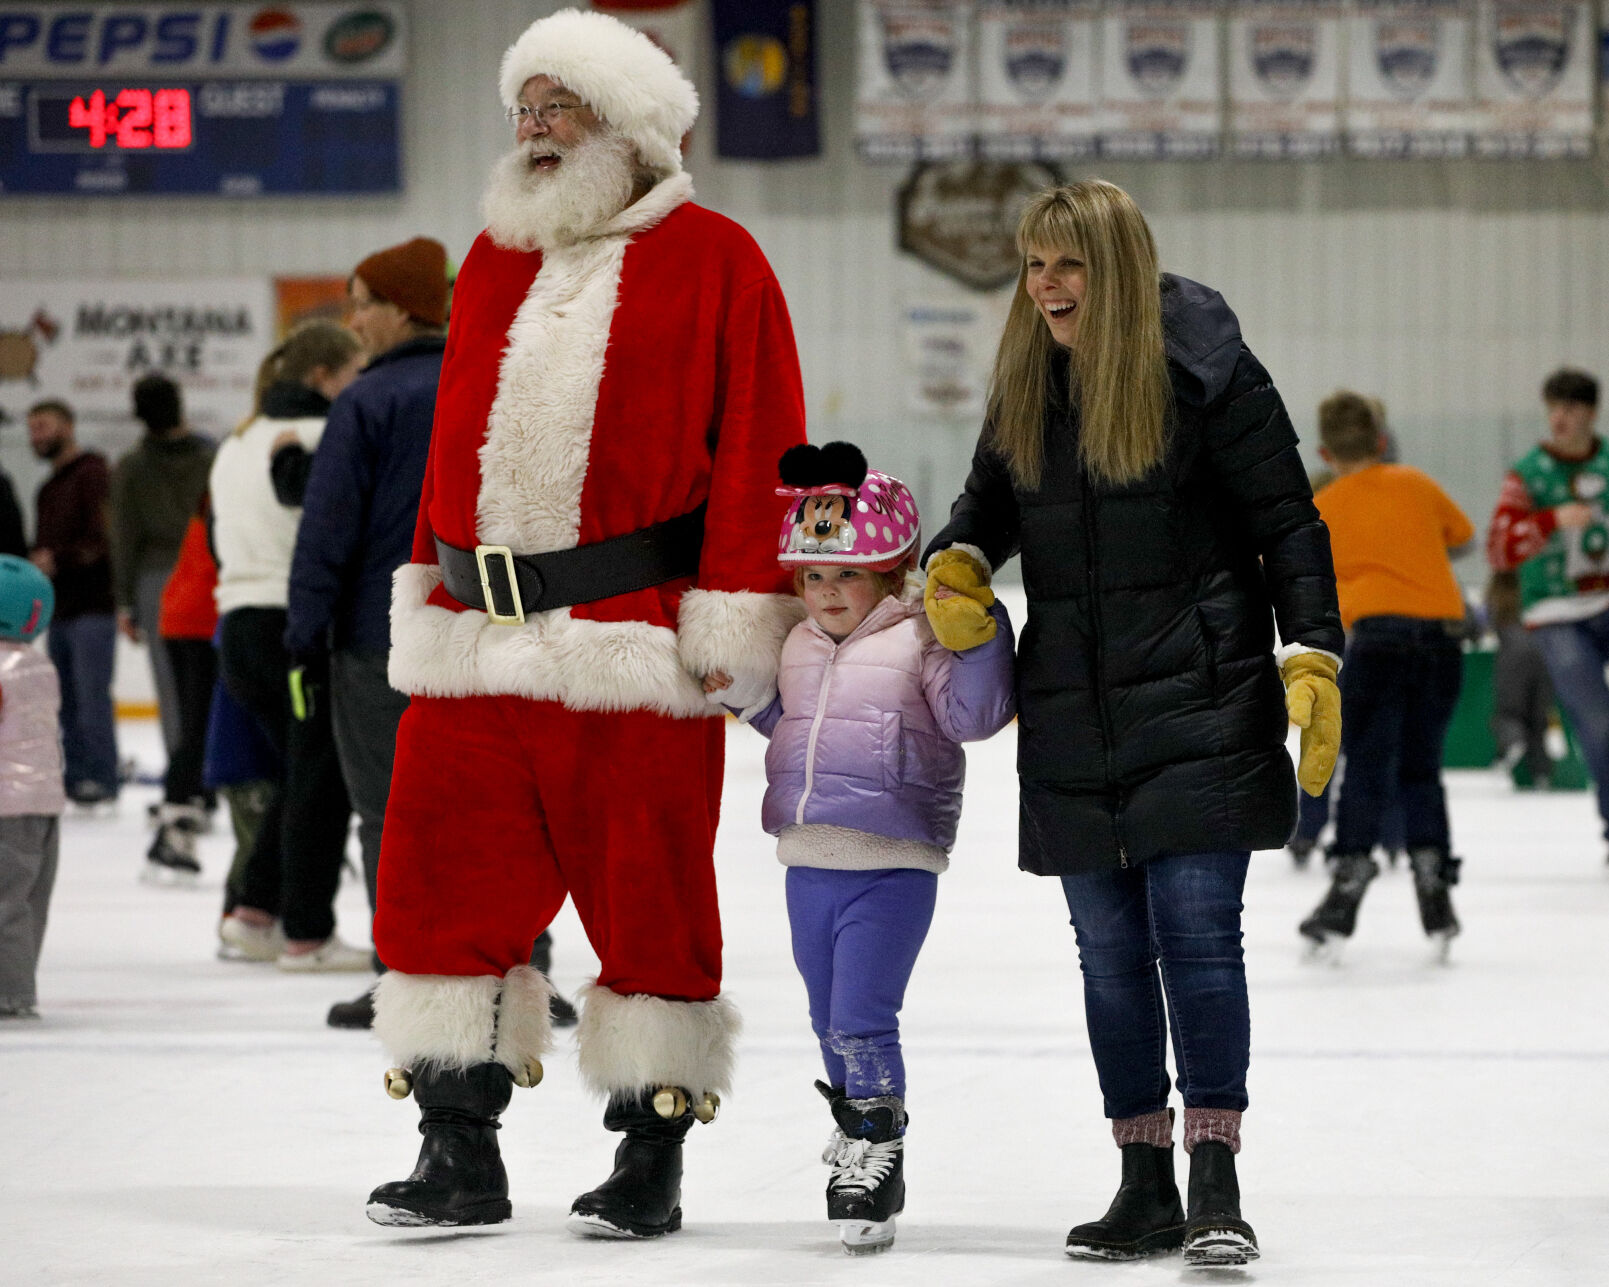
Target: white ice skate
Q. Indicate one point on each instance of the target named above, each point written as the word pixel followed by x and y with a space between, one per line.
pixel 866 1237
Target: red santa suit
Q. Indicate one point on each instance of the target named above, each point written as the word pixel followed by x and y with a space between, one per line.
pixel 589 390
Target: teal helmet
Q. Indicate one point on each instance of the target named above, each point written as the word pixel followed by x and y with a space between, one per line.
pixel 26 599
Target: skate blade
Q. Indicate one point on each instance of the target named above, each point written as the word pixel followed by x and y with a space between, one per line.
pixel 1323 951
pixel 1156 1244
pixel 404 1218
pixel 589 1225
pixel 1442 946
pixel 866 1237
pixel 158 876
pixel 1219 1249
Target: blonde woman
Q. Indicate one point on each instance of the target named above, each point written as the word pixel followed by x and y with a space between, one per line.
pixel 1138 458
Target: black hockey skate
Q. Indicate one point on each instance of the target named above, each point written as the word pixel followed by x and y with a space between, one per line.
pixel 1300 849
pixel 1337 916
pixel 642 1198
pixel 867 1154
pixel 1214 1235
pixel 171 859
pixel 1145 1217
pixel 1434 871
pixel 459 1179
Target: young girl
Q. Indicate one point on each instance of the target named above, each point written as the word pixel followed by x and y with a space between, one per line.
pixel 865 778
pixel 31 794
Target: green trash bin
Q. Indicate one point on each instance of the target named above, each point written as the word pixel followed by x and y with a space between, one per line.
pixel 1470 744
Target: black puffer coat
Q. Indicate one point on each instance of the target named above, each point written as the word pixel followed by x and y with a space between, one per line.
pixel 1152 716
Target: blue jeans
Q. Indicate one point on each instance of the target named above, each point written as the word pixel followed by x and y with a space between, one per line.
pixel 1576 653
pixel 1402 682
pixel 82 649
pixel 1169 925
pixel 856 935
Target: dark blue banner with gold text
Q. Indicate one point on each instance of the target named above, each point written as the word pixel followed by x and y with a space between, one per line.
pixel 765 54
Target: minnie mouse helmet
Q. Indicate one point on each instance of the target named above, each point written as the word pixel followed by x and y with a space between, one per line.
pixel 26 599
pixel 839 512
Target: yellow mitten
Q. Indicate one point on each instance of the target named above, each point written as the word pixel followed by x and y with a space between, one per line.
pixel 960 621
pixel 1314 704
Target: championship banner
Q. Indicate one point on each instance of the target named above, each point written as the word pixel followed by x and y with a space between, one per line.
pixel 1285 78
pixel 1409 92
pixel 1160 80
pixel 87 342
pixel 1534 79
pixel 765 96
pixel 1037 90
pixel 916 98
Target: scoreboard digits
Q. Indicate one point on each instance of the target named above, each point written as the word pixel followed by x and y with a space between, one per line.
pixel 134 118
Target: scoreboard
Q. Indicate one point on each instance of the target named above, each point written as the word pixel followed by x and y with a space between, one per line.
pixel 228 100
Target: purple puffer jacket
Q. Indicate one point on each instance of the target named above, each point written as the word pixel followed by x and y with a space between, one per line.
pixel 864 733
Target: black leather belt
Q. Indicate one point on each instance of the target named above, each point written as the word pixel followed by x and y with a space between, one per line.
pixel 508 586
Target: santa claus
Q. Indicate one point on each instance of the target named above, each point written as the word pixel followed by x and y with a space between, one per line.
pixel 595 535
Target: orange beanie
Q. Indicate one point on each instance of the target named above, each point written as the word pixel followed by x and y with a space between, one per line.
pixel 413 276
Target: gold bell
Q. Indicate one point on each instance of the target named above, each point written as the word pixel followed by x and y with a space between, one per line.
pixel 530 1075
pixel 398 1084
pixel 671 1102
pixel 708 1108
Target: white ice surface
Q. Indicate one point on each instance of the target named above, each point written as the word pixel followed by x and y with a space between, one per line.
pixel 175 1119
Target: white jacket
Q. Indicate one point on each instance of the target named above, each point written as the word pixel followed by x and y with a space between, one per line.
pixel 253 534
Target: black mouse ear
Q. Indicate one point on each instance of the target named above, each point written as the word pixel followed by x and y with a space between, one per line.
pixel 843 462
pixel 801 466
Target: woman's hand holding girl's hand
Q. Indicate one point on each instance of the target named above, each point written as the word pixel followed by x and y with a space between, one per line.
pixel 715 681
pixel 958 599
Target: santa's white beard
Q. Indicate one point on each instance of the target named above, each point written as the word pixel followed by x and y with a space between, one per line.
pixel 529 209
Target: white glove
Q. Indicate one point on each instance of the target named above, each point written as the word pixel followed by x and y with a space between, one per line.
pixel 748 693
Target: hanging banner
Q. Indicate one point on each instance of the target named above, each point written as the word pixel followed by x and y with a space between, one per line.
pixel 766 92
pixel 961 217
pixel 1534 79
pixel 1037 88
pixel 1160 79
pixel 87 342
pixel 1408 81
pixel 916 99
pixel 949 352
pixel 1285 77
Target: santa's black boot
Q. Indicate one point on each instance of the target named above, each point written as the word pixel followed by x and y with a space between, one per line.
pixel 1433 873
pixel 642 1198
pixel 1214 1233
pixel 459 1178
pixel 1337 916
pixel 1145 1217
pixel 867 1154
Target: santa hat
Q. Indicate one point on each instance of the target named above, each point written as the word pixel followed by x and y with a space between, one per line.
pixel 617 70
pixel 413 276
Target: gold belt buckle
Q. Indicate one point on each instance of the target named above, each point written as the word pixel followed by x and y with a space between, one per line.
pixel 484 552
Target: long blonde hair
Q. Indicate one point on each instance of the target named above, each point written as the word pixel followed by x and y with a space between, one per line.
pixel 310 346
pixel 1119 372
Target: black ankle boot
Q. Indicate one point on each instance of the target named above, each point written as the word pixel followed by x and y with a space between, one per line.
pixel 642 1199
pixel 460 1177
pixel 1215 1234
pixel 1145 1217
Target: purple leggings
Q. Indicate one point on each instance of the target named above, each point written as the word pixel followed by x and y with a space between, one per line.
pixel 856 935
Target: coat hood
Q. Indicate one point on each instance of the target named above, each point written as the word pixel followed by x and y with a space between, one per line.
pixel 1201 334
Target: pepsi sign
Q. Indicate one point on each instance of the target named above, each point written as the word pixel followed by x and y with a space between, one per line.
pixel 201 41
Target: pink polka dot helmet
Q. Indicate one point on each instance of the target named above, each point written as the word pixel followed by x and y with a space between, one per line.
pixel 840 512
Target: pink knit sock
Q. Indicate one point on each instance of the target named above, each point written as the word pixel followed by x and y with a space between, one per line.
pixel 1155 1129
pixel 1221 1124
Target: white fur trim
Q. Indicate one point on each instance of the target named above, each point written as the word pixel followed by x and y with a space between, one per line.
pixel 629 1043
pixel 1282 655
pixel 533 460
pixel 587 665
pixel 739 632
pixel 618 71
pixel 455 1022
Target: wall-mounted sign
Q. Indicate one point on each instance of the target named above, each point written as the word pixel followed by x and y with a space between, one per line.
pixel 961 217
pixel 216 99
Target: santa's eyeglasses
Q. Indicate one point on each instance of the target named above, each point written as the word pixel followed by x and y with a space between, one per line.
pixel 548 113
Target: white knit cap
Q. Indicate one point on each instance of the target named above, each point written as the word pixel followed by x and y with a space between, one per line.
pixel 620 73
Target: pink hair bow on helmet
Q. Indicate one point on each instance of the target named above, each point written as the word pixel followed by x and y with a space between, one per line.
pixel 840 512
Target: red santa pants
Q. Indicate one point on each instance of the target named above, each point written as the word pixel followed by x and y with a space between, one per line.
pixel 500 806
